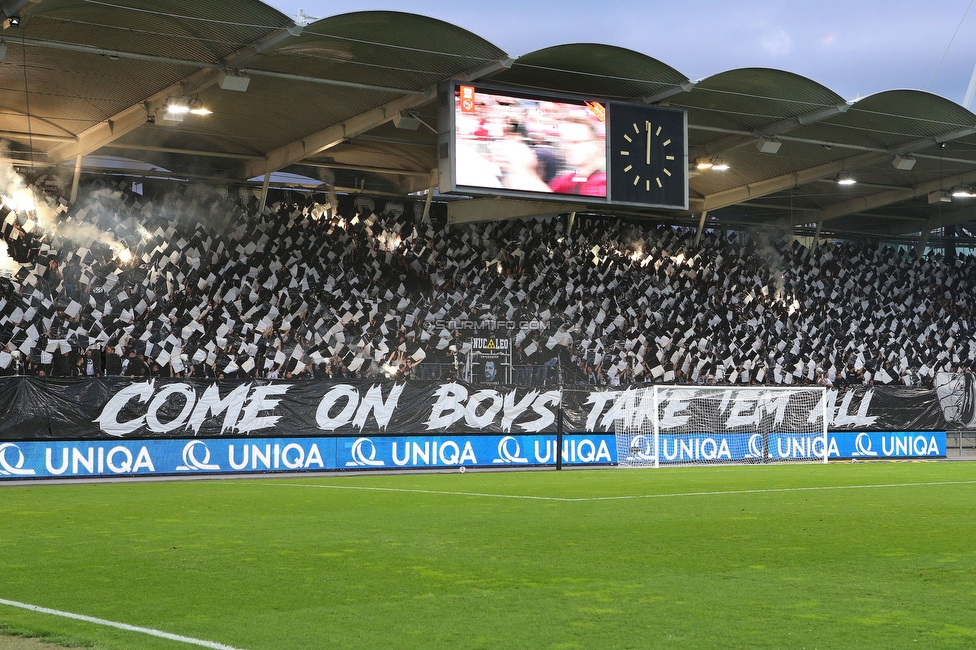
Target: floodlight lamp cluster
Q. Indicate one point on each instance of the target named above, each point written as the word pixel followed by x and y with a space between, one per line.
pixel 963 192
pixel 713 163
pixel 183 105
pixel 846 179
pixel 175 108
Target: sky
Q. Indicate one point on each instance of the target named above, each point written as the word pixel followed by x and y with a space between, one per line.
pixel 854 47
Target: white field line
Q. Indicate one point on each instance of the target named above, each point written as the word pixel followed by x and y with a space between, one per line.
pixel 626 497
pixel 120 626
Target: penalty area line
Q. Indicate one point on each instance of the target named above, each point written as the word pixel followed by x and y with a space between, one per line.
pixel 819 488
pixel 120 626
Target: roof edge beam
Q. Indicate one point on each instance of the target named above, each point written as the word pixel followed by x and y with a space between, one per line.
pixel 953 218
pixel 684 87
pixel 390 171
pixel 775 128
pixel 495 209
pixel 778 183
pixel 185 152
pixel 319 141
pixel 103 133
pixel 909 147
pixel 206 75
pixel 881 199
pixel 327 138
pixel 40 137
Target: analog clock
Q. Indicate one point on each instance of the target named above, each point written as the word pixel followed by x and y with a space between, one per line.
pixel 648 156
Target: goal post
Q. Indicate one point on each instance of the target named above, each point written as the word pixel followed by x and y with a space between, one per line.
pixel 705 425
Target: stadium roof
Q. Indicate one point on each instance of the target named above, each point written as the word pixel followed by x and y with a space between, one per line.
pixel 321 98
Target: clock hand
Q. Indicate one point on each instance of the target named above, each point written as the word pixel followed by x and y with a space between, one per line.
pixel 648 128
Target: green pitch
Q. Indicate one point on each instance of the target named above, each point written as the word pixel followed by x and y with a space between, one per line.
pixel 803 556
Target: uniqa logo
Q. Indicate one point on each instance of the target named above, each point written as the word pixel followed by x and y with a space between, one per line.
pixel 640 448
pixel 508 455
pixel 190 461
pixel 755 446
pixel 359 451
pixel 16 469
pixel 862 446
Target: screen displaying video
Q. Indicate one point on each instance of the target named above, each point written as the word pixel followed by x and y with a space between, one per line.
pixel 529 145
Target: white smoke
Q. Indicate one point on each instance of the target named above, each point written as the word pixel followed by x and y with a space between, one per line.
pixel 31 210
pixel 8 266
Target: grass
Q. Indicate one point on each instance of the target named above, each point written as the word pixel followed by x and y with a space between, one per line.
pixel 275 563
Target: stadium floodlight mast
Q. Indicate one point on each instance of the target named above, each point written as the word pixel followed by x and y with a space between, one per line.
pixel 710 425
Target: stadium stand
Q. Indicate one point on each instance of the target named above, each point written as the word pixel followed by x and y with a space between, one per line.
pixel 199 284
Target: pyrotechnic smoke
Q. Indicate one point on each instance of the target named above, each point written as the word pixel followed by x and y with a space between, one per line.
pixel 766 241
pixel 8 266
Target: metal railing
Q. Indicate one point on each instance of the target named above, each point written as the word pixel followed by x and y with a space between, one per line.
pixel 538 375
pixel 960 444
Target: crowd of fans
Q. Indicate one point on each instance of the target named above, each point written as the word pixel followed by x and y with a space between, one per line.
pixel 205 286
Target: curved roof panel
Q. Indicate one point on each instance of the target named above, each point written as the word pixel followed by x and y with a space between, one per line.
pixel 891 118
pixel 750 98
pixel 204 31
pixel 592 69
pixel 325 95
pixel 76 82
pixel 384 48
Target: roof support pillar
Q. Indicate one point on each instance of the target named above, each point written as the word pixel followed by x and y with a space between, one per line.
pixel 430 197
pixel 264 192
pixel 701 227
pixel 816 235
pixel 76 180
pixel 923 241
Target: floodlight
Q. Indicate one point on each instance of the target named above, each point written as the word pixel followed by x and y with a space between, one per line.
pixel 177 105
pixel 845 179
pixel 197 108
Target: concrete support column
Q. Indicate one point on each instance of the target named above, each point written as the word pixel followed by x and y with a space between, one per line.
pixel 264 192
pixel 76 180
pixel 701 227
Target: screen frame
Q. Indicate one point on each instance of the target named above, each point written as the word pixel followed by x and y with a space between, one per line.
pixel 447 147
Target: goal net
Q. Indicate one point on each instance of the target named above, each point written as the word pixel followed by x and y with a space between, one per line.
pixel 678 425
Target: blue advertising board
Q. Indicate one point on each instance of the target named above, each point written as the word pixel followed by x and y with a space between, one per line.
pixel 91 458
pixel 774 447
pixel 901 444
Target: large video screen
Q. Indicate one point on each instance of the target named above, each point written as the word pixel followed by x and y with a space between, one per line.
pixel 517 144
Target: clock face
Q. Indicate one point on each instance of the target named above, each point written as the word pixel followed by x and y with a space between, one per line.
pixel 648 156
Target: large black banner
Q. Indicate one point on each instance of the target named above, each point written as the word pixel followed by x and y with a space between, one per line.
pixel 34 408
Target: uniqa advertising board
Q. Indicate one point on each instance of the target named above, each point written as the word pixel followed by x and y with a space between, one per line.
pixel 775 447
pixel 105 458
pixel 23 460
